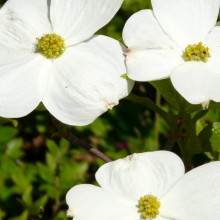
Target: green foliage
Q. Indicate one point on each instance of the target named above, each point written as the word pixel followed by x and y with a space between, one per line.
pixel 38 166
pixel 32 185
pixel 175 100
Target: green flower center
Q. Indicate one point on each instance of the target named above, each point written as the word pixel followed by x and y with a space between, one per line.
pixel 196 52
pixel 149 206
pixel 51 46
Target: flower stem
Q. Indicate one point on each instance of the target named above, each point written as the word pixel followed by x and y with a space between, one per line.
pixel 157 119
pixel 175 135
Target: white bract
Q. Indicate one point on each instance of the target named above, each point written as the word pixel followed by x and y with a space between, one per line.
pixel 49 54
pixel 178 39
pixel 156 177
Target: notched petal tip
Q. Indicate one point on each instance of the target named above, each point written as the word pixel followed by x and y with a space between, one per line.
pixel 69 213
pixel 205 104
pixel 128 51
pixel 131 158
pixel 109 104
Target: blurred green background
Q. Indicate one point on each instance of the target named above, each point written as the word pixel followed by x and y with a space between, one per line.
pixel 38 166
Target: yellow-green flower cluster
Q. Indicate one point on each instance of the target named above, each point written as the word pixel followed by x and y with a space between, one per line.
pixel 51 45
pixel 196 52
pixel 149 206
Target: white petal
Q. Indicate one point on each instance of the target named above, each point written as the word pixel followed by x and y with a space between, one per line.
pixel 88 81
pixel 22 85
pixel 196 196
pixel 142 31
pixel 197 82
pixel 160 218
pixel 78 20
pixel 152 64
pixel 186 21
pixel 213 39
pixel 140 174
pixel 9 55
pixel 213 63
pixel 21 22
pixel 88 202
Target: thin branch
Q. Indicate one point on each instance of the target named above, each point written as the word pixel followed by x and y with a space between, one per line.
pixel 68 135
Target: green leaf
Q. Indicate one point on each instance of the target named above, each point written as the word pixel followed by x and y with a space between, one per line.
pixel 51 162
pixel 23 216
pixel 210 137
pixel 57 152
pixel 53 148
pixel 194 144
pixel 8 120
pixel 5 192
pixel 71 174
pixel 2 214
pixel 45 173
pixel 41 202
pixel 8 167
pixel 124 76
pixel 20 180
pixel 7 133
pixel 64 146
pixel 60 215
pixel 100 128
pixel 14 148
pixel 38 205
pixel 49 189
pixel 170 119
pixel 175 100
pixel 27 197
pixel 215 138
pixel 214 105
pixel 191 143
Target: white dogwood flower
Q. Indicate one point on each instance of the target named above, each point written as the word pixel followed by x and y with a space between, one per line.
pixel 148 186
pixel 177 39
pixel 49 54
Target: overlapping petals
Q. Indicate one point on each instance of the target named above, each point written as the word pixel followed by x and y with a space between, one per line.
pixel 147 65
pixel 22 22
pixel 81 84
pixel 141 174
pixel 193 196
pixel 151 53
pixel 91 202
pixel 22 86
pixel 201 86
pixel 78 20
pixel 185 21
pixel 86 81
pixel 196 196
pixel 157 39
pixel 145 35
